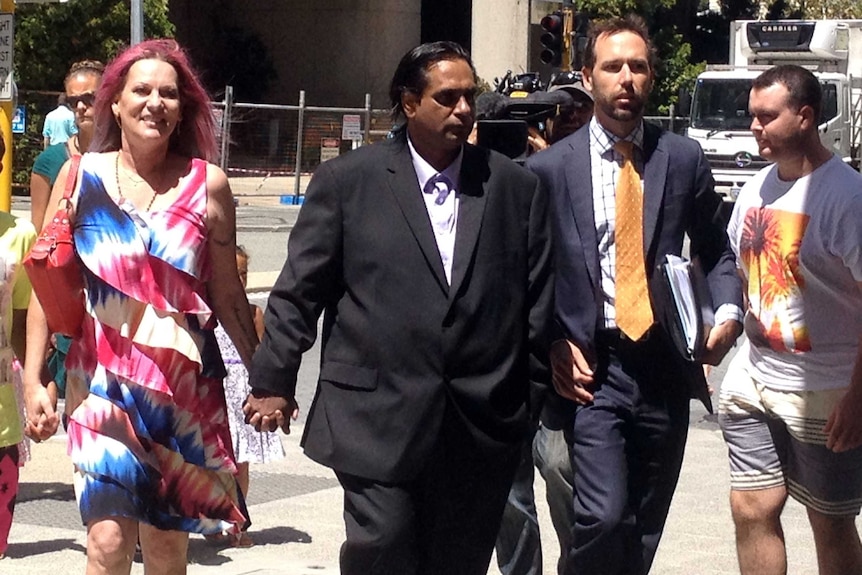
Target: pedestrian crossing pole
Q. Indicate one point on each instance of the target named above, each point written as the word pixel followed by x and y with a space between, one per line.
pixel 7 36
pixel 136 24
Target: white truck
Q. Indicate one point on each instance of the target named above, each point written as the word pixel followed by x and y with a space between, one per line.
pixel 720 122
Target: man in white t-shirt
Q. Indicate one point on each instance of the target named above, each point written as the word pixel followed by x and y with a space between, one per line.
pixel 791 402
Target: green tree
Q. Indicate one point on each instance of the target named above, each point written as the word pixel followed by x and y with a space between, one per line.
pixel 817 9
pixel 709 32
pixel 675 67
pixel 49 38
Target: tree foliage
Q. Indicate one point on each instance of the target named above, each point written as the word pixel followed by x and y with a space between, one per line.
pixel 817 9
pixel 50 37
pixel 687 36
pixel 664 18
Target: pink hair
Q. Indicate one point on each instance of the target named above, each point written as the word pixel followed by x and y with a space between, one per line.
pixel 196 139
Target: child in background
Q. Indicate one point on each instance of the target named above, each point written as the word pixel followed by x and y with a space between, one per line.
pixel 249 445
pixel 16 237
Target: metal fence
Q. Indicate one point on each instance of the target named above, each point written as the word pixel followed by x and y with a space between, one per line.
pixel 671 122
pixel 264 147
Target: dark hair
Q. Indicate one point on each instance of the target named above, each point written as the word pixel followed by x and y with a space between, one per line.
pixel 630 23
pixel 241 252
pixel 803 87
pixel 412 72
pixel 197 139
pixel 93 67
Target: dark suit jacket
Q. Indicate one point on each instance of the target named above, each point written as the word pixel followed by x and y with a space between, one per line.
pixel 399 345
pixel 678 199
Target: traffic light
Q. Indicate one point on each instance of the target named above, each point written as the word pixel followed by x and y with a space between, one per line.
pixel 553 27
pixel 581 27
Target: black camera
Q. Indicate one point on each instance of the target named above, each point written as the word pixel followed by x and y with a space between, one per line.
pixel 519 85
pixel 506 116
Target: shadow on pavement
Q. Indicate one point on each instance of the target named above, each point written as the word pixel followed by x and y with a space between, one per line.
pixel 42 491
pixel 203 552
pixel 22 550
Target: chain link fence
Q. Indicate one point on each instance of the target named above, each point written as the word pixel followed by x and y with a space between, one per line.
pixel 263 146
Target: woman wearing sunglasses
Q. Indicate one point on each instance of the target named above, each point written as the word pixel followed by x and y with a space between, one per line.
pixel 81 83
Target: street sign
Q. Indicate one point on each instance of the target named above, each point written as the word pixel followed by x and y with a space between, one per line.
pixel 329 148
pixel 19 120
pixel 351 127
pixel 7 36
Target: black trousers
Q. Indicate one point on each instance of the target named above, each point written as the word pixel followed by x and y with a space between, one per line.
pixel 627 453
pixel 444 522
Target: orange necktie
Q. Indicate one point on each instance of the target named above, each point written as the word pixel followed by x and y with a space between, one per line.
pixel 633 310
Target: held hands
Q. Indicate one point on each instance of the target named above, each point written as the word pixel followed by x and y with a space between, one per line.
pixel 571 372
pixel 265 411
pixel 721 339
pixel 42 418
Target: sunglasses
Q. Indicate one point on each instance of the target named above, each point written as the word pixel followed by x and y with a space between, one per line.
pixel 87 99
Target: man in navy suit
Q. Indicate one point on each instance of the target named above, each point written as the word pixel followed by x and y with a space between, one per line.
pixel 431 261
pixel 631 393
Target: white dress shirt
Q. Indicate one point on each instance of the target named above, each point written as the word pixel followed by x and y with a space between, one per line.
pixel 442 204
pixel 605 164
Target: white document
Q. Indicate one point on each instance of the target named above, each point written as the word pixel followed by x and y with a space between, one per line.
pixel 693 306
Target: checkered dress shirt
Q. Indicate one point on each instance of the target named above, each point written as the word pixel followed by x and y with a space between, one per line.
pixel 605 164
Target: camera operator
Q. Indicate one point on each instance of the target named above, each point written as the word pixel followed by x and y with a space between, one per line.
pixel 548 128
pixel 551 116
pixel 488 106
pixel 571 118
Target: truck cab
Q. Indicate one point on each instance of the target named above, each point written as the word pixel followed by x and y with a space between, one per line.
pixel 720 121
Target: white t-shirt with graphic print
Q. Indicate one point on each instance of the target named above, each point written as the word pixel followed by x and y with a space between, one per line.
pixel 799 246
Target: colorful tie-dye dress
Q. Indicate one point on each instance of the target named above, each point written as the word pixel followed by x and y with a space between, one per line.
pixel 150 438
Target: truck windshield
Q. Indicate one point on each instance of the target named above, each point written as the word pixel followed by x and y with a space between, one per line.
pixel 722 104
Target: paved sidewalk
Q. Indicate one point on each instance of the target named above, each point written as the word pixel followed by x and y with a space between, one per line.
pixel 295 505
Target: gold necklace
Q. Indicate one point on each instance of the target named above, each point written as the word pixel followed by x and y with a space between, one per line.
pixel 120 189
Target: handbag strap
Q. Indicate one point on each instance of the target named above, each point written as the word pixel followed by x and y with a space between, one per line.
pixel 71 179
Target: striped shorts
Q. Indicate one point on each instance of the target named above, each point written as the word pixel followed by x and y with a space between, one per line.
pixel 775 438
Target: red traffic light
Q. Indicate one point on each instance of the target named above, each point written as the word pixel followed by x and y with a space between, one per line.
pixel 553 23
pixel 553 27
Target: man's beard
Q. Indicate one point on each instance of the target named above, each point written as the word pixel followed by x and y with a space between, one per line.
pixel 634 110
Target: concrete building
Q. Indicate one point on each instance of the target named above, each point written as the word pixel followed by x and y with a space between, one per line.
pixel 339 50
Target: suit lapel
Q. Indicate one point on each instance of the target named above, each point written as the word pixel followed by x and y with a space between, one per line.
pixel 579 185
pixel 404 186
pixel 655 175
pixel 473 179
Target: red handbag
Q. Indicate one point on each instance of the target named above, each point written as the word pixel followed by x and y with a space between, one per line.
pixel 53 268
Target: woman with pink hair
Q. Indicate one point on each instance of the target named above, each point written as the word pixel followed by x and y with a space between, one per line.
pixel 154 228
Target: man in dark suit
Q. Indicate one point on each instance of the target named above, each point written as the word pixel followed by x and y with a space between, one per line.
pixel 626 206
pixel 431 261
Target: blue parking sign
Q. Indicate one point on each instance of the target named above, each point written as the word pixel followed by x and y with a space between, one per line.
pixel 19 120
